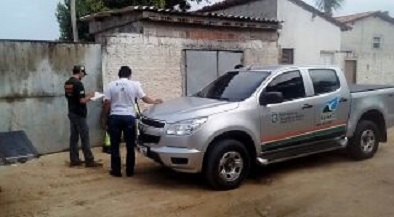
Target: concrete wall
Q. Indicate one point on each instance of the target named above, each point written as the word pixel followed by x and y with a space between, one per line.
pixel 311 37
pixel 32 75
pixel 157 57
pixel 373 65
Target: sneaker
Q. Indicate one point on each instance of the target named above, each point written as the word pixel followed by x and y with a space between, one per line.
pixel 130 174
pixel 107 150
pixel 112 173
pixel 76 164
pixel 93 164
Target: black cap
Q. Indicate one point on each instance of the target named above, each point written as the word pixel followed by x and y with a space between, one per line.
pixel 239 66
pixel 79 68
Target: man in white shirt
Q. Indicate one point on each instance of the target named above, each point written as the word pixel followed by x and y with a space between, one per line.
pixel 119 102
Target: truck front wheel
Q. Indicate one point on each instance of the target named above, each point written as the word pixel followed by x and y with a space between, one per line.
pixel 227 165
pixel 365 141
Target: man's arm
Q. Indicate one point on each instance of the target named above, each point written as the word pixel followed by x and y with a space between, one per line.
pixel 105 113
pixel 148 100
pixel 80 92
pixel 106 107
pixel 87 98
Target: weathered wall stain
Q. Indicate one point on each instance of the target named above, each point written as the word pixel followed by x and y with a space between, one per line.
pixel 32 74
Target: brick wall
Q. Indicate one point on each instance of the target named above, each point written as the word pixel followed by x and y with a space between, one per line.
pixel 158 62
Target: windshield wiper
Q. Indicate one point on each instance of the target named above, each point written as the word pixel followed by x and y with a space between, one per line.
pixel 198 95
pixel 220 98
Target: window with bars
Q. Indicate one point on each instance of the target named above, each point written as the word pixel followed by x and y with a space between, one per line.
pixel 377 41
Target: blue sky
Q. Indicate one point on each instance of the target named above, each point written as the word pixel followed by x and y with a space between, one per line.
pixel 36 20
pixel 28 19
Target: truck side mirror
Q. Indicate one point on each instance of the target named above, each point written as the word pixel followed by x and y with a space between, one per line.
pixel 271 98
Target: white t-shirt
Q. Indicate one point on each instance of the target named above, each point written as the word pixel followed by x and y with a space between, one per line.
pixel 122 94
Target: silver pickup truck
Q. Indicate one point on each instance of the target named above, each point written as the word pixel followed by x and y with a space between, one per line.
pixel 263 115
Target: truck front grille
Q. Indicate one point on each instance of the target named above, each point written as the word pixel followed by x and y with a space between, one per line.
pixel 145 138
pixel 152 123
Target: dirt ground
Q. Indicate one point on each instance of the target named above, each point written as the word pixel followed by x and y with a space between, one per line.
pixel 320 186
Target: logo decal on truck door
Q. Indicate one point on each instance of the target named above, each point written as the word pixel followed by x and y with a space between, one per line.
pixel 274 118
pixel 328 112
pixel 286 117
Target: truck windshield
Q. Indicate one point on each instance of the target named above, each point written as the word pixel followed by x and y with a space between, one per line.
pixel 234 86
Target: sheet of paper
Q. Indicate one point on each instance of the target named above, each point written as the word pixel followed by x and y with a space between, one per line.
pixel 97 96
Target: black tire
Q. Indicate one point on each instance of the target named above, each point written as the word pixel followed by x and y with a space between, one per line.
pixel 226 149
pixel 356 148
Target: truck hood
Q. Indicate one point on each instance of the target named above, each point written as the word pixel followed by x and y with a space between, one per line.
pixel 187 108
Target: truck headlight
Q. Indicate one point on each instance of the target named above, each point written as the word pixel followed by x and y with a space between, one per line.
pixel 186 127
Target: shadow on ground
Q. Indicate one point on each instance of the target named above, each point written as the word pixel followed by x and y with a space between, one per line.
pixel 164 178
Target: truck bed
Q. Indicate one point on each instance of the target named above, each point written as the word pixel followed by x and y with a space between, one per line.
pixel 356 88
pixel 371 97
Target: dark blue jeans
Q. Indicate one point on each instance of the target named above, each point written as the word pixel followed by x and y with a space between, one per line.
pixel 117 125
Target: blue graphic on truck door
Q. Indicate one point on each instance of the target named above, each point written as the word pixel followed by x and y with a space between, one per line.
pixel 328 112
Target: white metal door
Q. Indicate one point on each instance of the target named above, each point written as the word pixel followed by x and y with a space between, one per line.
pixel 202 67
pixel 227 60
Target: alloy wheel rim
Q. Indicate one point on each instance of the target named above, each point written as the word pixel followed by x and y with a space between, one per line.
pixel 368 140
pixel 231 166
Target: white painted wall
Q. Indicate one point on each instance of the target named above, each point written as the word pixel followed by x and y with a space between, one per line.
pixel 307 34
pixel 373 65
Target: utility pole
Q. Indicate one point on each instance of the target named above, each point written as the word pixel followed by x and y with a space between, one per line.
pixel 74 21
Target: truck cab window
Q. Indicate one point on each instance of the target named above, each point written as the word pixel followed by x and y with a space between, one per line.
pixel 234 86
pixel 324 80
pixel 290 84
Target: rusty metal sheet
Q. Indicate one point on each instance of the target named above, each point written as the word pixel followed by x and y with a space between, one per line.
pixel 15 147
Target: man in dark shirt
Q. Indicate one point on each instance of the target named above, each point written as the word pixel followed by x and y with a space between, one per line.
pixel 77 112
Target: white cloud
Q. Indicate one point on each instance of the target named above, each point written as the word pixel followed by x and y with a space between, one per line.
pixel 196 6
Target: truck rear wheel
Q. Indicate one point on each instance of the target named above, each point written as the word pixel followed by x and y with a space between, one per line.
pixel 365 141
pixel 227 165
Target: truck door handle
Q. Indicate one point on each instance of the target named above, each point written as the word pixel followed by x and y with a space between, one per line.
pixel 343 100
pixel 307 106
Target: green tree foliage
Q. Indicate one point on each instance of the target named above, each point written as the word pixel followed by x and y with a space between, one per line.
pixel 328 6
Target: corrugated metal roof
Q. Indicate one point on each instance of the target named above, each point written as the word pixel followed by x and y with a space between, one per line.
pixel 224 4
pixel 359 16
pixel 354 17
pixel 171 11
